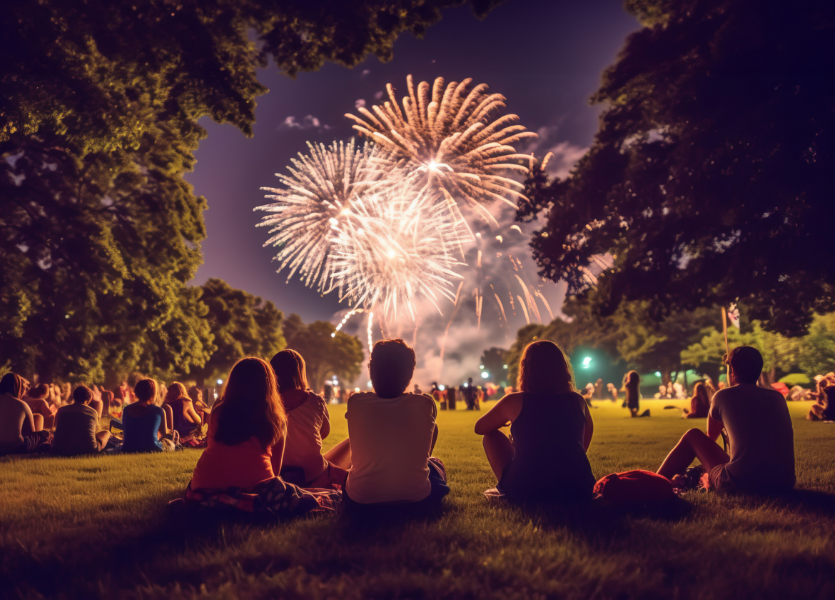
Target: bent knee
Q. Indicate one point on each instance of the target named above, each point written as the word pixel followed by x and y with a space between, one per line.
pixel 692 434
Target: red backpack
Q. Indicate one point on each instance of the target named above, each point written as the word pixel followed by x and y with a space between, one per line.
pixel 634 487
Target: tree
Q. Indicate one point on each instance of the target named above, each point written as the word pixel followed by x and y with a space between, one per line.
pixel 326 352
pixel 99 109
pixel 709 180
pixel 817 350
pixel 242 324
pixel 494 361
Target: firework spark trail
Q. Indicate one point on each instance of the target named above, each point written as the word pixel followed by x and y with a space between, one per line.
pixel 452 145
pixel 370 333
pixel 456 305
pixel 525 310
pixel 317 194
pixel 529 300
pixel 545 302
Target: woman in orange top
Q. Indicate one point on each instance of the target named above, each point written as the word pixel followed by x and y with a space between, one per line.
pixel 247 431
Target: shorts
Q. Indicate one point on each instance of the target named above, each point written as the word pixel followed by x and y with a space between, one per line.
pixel 437 479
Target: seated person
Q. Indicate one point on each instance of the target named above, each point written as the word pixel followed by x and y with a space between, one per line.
pixel 184 419
pixel 18 432
pixel 246 433
pixel 551 428
pixel 202 409
pixel 699 403
pixel 759 427
pixel 76 426
pixel 143 422
pixel 308 423
pixel 824 408
pixel 36 399
pixel 392 434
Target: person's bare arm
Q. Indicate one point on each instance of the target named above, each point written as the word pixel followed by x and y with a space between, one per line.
pixel 325 430
pixel 277 458
pixel 28 426
pixel 191 414
pixel 164 430
pixel 714 428
pixel 504 412
pixel 589 432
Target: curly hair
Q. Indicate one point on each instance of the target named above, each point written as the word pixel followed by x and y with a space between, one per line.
pixel 545 369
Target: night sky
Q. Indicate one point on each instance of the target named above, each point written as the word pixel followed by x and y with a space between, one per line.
pixel 546 57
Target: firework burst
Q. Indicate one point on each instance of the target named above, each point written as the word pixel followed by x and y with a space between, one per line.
pixel 392 247
pixel 447 143
pixel 316 197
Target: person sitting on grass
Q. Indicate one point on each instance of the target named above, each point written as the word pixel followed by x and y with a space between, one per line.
pixel 247 434
pixel 36 399
pixel 759 429
pixel 824 408
pixel 699 403
pixel 551 428
pixel 144 423
pixel 202 409
pixel 76 426
pixel 392 435
pixel 184 419
pixel 308 423
pixel 19 429
pixel 631 384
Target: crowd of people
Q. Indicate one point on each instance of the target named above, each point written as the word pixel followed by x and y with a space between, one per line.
pixel 263 437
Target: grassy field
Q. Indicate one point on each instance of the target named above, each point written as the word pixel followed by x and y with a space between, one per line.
pixel 101 527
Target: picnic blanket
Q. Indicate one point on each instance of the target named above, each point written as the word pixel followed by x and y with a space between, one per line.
pixel 273 498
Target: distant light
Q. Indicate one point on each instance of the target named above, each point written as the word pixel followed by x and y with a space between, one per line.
pixel 504 366
pixel 433 165
pixel 442 387
pixel 485 374
pixel 481 366
pixel 220 382
pixel 333 334
pixel 391 253
pixel 369 385
pixel 356 389
pixel 658 373
pixel 586 362
pixel 466 384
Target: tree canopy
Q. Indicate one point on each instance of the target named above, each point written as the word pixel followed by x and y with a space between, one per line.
pixel 242 325
pixel 99 103
pixel 710 178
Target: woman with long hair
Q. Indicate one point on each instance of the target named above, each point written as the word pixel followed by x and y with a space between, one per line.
pixel 185 419
pixel 308 423
pixel 247 430
pixel 551 430
pixel 699 403
pixel 632 383
pixel 247 433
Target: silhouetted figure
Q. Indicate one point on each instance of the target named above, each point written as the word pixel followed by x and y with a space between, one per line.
pixel 551 429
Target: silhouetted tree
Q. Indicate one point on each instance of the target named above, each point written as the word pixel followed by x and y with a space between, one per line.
pixel 326 352
pixel 710 178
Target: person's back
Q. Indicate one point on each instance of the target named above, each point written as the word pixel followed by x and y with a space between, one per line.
pixel 140 424
pixel 391 441
pixel 75 430
pixel 761 436
pixel 549 426
pixel 13 414
pixel 303 448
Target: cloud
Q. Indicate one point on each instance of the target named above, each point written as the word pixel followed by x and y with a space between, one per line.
pixel 378 95
pixel 308 122
pixel 565 153
pixel 365 73
pixel 359 103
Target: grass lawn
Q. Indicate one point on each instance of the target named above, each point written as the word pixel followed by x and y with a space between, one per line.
pixel 100 527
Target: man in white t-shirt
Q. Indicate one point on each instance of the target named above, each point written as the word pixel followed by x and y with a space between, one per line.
pixel 392 436
pixel 759 429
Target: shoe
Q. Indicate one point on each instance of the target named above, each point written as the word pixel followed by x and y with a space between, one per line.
pixel 645 413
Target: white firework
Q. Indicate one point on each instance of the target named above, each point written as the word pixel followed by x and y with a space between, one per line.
pixel 315 198
pixel 393 247
pixel 448 142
